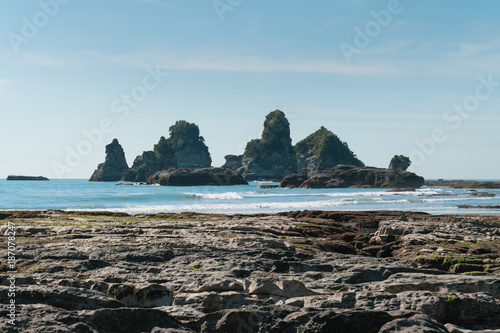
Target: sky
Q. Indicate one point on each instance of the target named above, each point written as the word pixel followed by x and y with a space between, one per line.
pixel 417 78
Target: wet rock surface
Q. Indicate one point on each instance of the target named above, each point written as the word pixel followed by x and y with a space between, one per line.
pixel 305 271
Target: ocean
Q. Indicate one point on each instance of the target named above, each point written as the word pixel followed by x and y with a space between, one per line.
pixel 80 194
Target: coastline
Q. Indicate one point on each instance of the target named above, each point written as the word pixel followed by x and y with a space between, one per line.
pixel 199 272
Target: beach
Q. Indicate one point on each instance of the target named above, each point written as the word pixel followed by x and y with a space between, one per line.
pixel 307 271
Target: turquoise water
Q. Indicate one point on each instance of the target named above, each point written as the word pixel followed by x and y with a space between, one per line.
pixel 81 194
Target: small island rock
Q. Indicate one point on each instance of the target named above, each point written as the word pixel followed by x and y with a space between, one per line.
pixel 26 178
pixel 114 165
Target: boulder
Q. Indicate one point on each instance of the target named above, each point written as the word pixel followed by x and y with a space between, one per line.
pixel 197 177
pixel 399 162
pixel 343 176
pixel 322 150
pixel 270 157
pixel 114 165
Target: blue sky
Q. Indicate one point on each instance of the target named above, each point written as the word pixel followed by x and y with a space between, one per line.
pixel 422 80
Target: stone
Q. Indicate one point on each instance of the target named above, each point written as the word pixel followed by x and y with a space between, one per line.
pixel 416 324
pixel 114 165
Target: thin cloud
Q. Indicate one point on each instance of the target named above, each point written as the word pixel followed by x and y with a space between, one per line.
pixel 253 64
pixel 5 82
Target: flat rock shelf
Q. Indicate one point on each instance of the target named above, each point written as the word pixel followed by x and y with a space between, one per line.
pixel 298 271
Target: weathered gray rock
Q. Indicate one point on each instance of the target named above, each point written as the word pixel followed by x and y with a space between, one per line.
pixel 263 273
pixel 343 176
pixel 197 177
pixel 114 165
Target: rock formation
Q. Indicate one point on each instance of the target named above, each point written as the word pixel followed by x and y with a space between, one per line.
pixel 399 162
pixel 26 178
pixel 144 166
pixel 342 176
pixel 114 165
pixel 291 272
pixel 270 157
pixel 185 148
pixel 197 177
pixel 322 150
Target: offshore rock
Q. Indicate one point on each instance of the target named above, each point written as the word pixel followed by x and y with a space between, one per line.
pixel 27 178
pixel 114 165
pixel 197 177
pixel 185 148
pixel 322 150
pixel 343 176
pixel 272 156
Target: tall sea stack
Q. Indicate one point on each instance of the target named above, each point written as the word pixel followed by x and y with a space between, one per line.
pixel 114 165
pixel 270 157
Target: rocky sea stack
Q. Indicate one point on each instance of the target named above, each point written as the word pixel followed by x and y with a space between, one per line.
pixel 270 157
pixel 197 177
pixel 322 150
pixel 342 176
pixel 114 165
pixel 185 148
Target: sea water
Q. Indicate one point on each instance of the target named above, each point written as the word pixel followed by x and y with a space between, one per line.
pixel 79 194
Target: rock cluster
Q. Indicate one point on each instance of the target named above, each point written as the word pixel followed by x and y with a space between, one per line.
pixel 185 148
pixel 293 272
pixel 114 165
pixel 273 156
pixel 342 176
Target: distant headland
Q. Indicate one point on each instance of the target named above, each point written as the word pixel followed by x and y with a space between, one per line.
pixel 312 162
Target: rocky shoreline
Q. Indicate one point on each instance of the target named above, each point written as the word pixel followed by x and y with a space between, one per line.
pixel 304 271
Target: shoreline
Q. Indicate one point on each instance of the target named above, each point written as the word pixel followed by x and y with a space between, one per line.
pixel 196 272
